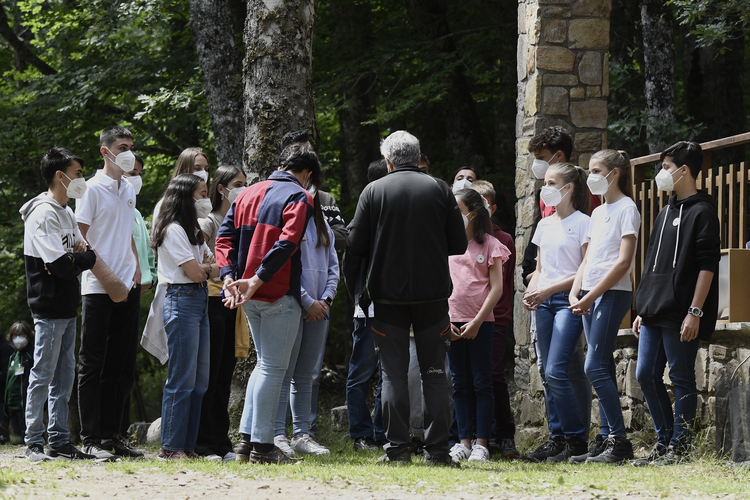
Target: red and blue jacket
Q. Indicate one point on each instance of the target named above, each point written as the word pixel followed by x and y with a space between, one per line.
pixel 261 234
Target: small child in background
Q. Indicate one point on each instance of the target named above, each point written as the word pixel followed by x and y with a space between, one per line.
pixel 18 367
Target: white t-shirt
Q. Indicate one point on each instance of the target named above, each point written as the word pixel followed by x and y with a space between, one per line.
pixel 174 251
pixel 610 223
pixel 560 242
pixel 109 212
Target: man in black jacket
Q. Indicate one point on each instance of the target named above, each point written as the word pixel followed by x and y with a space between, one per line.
pixel 406 225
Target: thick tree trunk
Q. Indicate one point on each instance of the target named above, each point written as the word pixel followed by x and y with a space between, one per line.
pixel 278 78
pixel 211 23
pixel 466 136
pixel 658 50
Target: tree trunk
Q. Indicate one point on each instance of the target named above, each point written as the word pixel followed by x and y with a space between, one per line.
pixel 212 28
pixel 466 136
pixel 659 56
pixel 278 78
pixel 22 50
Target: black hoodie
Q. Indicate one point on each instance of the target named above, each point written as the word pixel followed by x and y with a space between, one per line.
pixel 685 241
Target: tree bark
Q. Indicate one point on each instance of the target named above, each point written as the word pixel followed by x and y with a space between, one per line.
pixel 659 56
pixel 466 136
pixel 211 23
pixel 278 79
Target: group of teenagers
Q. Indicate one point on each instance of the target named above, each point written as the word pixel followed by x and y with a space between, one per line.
pixel 235 260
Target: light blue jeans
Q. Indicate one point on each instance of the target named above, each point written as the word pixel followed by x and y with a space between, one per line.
pixel 185 317
pixel 274 327
pixel 308 349
pixel 51 377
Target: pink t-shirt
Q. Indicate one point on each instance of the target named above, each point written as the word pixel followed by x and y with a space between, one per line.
pixel 470 274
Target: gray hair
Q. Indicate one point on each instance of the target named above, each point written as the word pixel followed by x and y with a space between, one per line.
pixel 400 148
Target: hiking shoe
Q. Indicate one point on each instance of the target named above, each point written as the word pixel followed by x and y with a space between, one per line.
pixel 479 454
pixel 417 445
pixel 673 456
pixel 306 445
pixel 618 449
pixel 68 451
pixel 554 446
pixel 121 447
pixel 460 452
pixel 282 443
pixel 275 456
pixel 242 453
pixel 657 452
pixel 508 449
pixel 35 453
pixel 99 453
pixel 229 457
pixel 596 447
pixel 365 443
pixel 574 446
pixel 403 456
pixel 165 455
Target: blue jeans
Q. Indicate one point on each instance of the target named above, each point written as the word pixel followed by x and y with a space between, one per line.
pixel 658 346
pixel 315 386
pixel 185 317
pixel 51 377
pixel 307 350
pixel 558 332
pixel 471 366
pixel 601 328
pixel 274 327
pixel 362 366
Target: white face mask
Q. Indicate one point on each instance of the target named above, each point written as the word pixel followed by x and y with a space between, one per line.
pixel 203 174
pixel 551 196
pixel 461 184
pixel 598 184
pixel 233 194
pixel 20 342
pixel 466 220
pixel 125 160
pixel 202 207
pixel 136 181
pixel 312 190
pixel 76 187
pixel 539 168
pixel 665 180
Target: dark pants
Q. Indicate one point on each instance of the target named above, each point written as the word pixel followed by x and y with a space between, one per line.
pixel 432 338
pixel 505 427
pixel 362 366
pixel 109 339
pixel 213 432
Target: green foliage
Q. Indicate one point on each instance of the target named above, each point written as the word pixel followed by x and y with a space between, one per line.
pixel 714 22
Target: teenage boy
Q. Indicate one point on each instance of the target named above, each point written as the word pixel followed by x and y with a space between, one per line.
pixel 54 254
pixel 109 328
pixel 677 300
pixel 505 428
pixel 146 257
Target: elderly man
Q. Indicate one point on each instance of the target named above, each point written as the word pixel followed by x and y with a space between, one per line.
pixel 406 226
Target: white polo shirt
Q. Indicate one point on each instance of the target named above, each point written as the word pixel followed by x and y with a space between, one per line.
pixel 108 211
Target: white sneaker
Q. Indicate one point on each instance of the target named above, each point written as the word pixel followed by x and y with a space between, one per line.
pixel 282 443
pixel 479 454
pixel 100 453
pixel 306 445
pixel 459 452
pixel 213 458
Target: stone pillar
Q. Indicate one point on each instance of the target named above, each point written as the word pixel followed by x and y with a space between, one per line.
pixel 563 79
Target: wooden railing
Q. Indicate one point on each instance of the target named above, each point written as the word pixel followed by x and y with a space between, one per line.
pixel 727 184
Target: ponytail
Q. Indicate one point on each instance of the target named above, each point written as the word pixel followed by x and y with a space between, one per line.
pixel 475 203
pixel 620 160
pixel 575 176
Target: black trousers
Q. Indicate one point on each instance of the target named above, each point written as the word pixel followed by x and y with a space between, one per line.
pixel 109 340
pixel 390 332
pixel 213 431
pixel 505 427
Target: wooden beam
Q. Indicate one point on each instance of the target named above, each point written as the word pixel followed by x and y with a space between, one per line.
pixel 726 142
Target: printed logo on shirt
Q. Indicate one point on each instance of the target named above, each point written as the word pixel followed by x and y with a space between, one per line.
pixel 68 241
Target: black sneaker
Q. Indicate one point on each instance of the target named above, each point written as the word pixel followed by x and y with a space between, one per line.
pixel 35 453
pixel 596 448
pixel 574 446
pixel 551 448
pixel 403 456
pixel 441 460
pixel 275 456
pixel 673 456
pixel 508 449
pixel 657 452
pixel 417 445
pixel 121 447
pixel 365 444
pixel 69 452
pixel 618 449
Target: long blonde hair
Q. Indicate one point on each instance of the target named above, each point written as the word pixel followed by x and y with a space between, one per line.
pixel 186 161
pixel 620 160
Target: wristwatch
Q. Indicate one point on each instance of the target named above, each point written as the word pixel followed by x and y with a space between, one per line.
pixel 695 311
pixel 328 300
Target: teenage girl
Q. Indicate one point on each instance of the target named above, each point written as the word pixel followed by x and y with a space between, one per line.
pixel 602 292
pixel 191 161
pixel 477 277
pixel 561 240
pixel 184 265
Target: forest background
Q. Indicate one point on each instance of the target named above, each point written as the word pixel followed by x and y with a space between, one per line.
pixel 445 71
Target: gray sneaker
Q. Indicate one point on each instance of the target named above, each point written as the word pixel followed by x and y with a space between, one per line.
pixel 229 457
pixel 282 443
pixel 35 453
pixel 306 445
pixel 99 453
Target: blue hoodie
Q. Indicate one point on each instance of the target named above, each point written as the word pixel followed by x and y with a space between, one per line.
pixel 320 266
